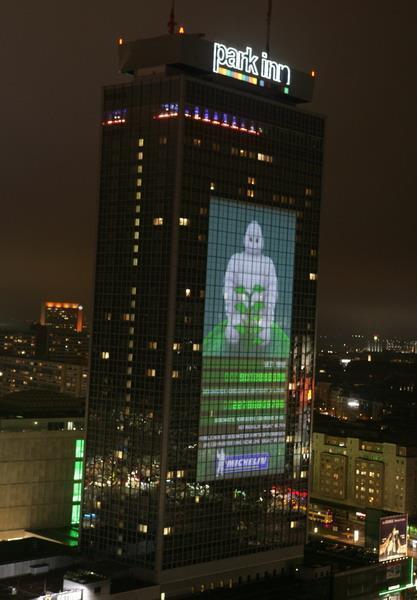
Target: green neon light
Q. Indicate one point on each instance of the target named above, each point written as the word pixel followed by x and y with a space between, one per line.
pixel 78 470
pixel 399 589
pixel 76 492
pixel 254 377
pixel 404 587
pixel 79 448
pixel 254 404
pixel 75 515
pixel 286 90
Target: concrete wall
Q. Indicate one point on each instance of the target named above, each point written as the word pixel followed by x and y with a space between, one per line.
pixel 36 478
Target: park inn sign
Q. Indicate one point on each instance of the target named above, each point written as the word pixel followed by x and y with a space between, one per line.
pixel 248 66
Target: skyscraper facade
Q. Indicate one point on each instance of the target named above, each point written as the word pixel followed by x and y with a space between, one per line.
pixel 204 317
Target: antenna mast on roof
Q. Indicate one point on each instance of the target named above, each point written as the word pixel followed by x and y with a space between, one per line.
pixel 172 22
pixel 268 26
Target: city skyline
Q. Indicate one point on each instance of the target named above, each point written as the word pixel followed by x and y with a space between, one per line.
pixel 366 254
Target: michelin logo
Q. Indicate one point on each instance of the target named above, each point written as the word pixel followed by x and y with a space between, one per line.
pixel 240 463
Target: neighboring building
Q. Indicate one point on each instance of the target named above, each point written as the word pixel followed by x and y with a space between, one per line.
pixel 17 343
pixel 357 470
pixel 41 454
pixel 29 373
pixel 62 315
pixel 68 346
pixel 204 319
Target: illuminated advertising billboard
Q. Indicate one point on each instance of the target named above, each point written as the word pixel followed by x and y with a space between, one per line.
pixel 247 325
pixel 393 537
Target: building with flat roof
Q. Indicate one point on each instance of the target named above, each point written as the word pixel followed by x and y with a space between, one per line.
pixel 204 317
pixel 62 315
pixel 41 461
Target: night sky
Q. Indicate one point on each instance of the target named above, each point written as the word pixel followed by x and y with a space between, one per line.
pixel 55 57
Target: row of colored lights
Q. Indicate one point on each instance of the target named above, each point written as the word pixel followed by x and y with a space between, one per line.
pixel 212 117
pixel 115 117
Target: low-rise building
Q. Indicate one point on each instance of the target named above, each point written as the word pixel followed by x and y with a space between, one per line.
pixel 41 461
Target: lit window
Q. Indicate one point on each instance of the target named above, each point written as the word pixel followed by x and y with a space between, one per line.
pixel 196 347
pixel 167 530
pixel 202 294
pixel 141 141
pixel 133 291
pixel 163 139
pixel 105 355
pixel 243 152
pixel 308 192
pixel 138 195
pixel 197 142
pixel 250 193
pixel 140 168
pixel 264 157
pixel 152 345
pixel 129 357
pixel 150 372
pixel 313 252
pixel 138 182
pixel 293 524
pixel 142 528
pixel 212 186
pixel 138 208
pixel 184 221
pixel 180 473
pixel 203 210
pixel 137 222
pixel 129 371
pixel 107 316
pixel 158 221
pixel 131 330
pixel 130 344
pixel 170 474
pixel 313 276
pixel 135 262
pixel 251 180
pixel 176 346
pixel 187 320
pixel 175 374
pixel 135 248
pixel 188 292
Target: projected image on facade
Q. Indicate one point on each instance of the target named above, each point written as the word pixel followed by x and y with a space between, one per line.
pixel 247 323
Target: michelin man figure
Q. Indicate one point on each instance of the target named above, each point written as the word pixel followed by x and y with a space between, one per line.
pixel 250 289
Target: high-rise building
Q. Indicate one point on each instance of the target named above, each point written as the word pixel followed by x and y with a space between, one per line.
pixel 204 316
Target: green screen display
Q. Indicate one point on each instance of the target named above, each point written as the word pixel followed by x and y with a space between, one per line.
pixel 247 323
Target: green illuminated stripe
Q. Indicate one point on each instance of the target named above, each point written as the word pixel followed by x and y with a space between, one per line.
pixel 79 448
pixel 78 470
pixel 255 404
pixel 76 492
pixel 254 377
pixel 75 514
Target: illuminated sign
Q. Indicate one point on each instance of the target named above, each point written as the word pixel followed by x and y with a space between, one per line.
pixel 67 595
pixel 247 66
pixel 246 349
pixel 393 537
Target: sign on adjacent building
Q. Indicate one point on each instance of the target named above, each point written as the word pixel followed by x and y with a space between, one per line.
pixel 393 537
